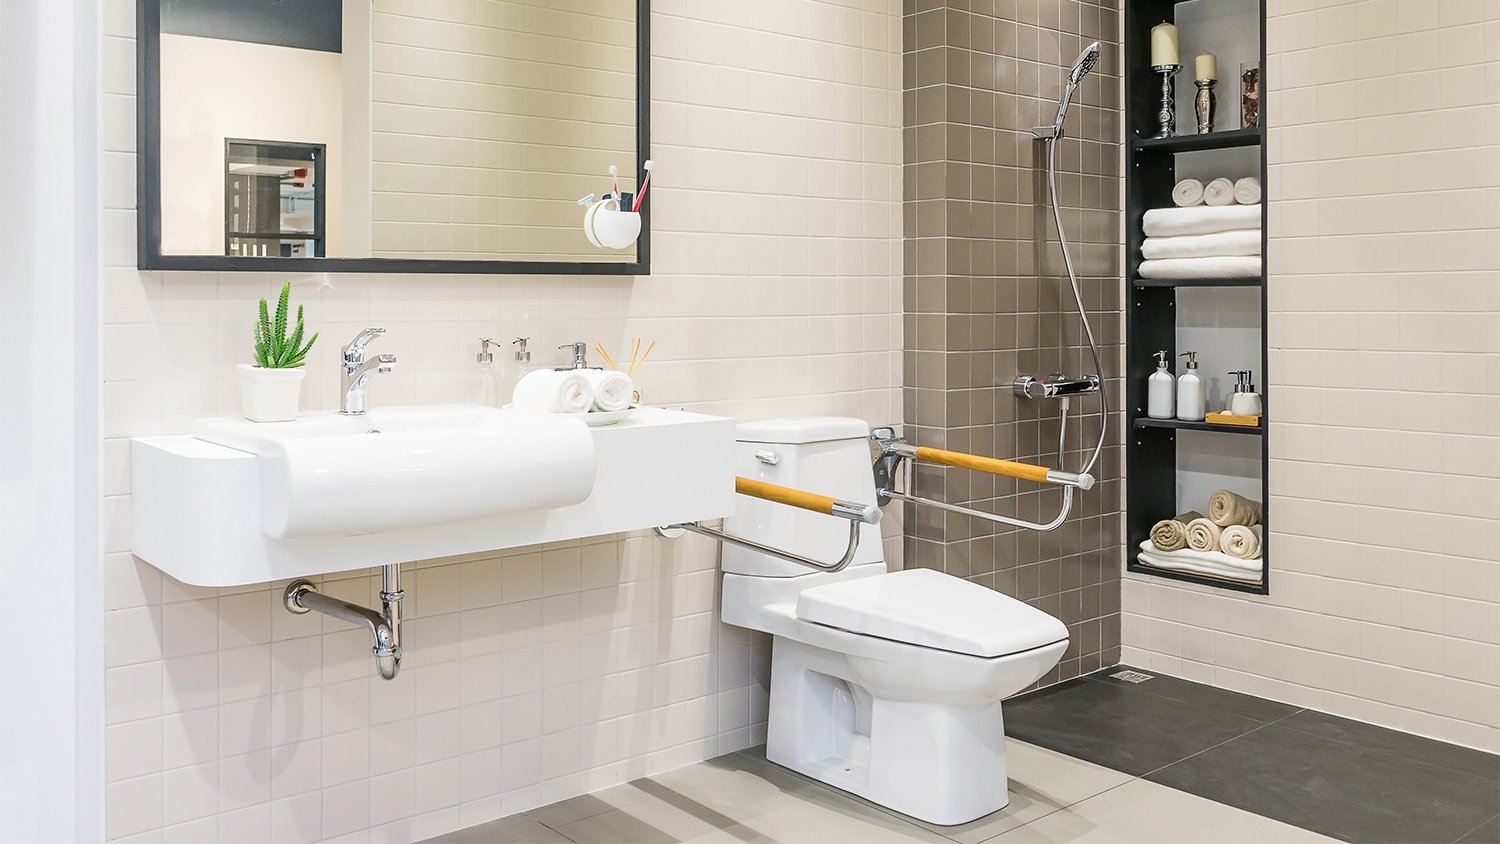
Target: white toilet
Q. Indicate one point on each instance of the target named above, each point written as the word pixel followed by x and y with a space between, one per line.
pixel 884 684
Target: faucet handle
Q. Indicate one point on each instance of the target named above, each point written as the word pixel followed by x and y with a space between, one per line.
pixel 356 347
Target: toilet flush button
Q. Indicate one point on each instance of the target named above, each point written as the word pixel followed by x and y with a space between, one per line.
pixel 768 457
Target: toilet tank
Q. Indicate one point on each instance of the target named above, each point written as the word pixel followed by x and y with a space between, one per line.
pixel 828 455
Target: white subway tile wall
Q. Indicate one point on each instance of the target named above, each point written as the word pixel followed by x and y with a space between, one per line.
pixel 484 115
pixel 1385 383
pixel 539 673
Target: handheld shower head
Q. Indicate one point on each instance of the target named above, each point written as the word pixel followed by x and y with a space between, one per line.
pixel 1081 68
pixel 1083 64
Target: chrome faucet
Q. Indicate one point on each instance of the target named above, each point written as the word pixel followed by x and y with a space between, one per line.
pixel 356 370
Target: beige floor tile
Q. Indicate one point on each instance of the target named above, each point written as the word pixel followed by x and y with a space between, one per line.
pixel 588 805
pixel 1141 812
pixel 517 829
pixel 1041 782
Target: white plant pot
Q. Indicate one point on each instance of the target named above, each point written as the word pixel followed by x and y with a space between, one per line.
pixel 270 395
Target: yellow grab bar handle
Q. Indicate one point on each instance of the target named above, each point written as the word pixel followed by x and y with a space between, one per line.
pixel 827 505
pixel 1024 471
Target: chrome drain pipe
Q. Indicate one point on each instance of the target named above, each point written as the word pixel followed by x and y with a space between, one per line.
pixel 302 596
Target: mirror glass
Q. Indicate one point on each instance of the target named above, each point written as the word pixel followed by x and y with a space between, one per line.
pixel 439 130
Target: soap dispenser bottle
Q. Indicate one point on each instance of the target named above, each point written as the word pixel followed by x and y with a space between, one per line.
pixel 1160 390
pixel 1190 399
pixel 1245 401
pixel 520 362
pixel 483 385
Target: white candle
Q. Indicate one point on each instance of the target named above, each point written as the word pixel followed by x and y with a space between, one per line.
pixel 1163 45
pixel 1207 65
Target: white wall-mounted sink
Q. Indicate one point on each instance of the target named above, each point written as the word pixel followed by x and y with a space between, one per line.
pixel 395 468
pixel 238 502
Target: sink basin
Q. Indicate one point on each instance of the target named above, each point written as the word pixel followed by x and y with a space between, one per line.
pixel 237 502
pixel 396 468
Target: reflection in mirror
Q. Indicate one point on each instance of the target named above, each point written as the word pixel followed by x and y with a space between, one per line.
pixel 275 199
pixel 442 130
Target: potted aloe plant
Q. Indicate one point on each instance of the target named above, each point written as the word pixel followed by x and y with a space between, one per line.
pixel 271 388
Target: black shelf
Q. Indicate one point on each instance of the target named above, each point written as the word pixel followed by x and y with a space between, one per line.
pixel 1200 579
pixel 1152 476
pixel 1227 139
pixel 1254 281
pixel 1148 422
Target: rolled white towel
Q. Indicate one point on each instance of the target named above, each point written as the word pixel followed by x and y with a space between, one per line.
pixel 1226 267
pixel 1241 541
pixel 1218 193
pixel 612 389
pixel 554 391
pixel 1175 222
pixel 1221 245
pixel 1247 191
pixel 1203 535
pixel 1189 192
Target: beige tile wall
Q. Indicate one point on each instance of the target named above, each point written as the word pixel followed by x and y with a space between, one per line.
pixel 490 117
pixel 544 672
pixel 986 298
pixel 1385 354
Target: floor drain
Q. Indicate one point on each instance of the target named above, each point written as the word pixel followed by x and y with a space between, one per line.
pixel 1131 676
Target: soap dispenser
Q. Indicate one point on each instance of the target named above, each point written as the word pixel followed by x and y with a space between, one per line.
pixel 1190 400
pixel 483 385
pixel 1244 401
pixel 521 362
pixel 1160 389
pixel 580 352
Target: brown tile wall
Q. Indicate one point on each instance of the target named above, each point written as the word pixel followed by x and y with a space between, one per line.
pixel 983 302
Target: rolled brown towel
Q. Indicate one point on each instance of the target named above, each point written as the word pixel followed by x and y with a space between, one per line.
pixel 1226 508
pixel 1203 535
pixel 1241 541
pixel 1171 534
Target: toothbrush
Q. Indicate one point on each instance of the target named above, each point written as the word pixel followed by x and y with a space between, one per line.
pixel 614 174
pixel 645 183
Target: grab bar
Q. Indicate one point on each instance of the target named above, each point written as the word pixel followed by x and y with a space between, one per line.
pixel 894 450
pixel 856 514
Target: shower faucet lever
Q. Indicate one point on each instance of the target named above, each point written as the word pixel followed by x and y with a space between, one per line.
pixel 1054 386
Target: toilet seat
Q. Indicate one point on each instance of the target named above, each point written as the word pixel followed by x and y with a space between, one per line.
pixel 930 609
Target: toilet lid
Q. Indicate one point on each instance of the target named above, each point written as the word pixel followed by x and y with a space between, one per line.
pixel 931 609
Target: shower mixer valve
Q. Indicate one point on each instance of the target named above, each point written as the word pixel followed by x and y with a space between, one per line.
pixel 1054 386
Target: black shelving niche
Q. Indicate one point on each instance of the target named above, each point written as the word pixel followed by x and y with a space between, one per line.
pixel 1151 319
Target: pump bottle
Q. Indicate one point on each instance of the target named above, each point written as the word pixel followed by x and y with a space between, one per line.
pixel 1160 389
pixel 1190 398
pixel 483 385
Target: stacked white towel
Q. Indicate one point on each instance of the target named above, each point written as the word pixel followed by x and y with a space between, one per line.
pixel 1212 563
pixel 1205 241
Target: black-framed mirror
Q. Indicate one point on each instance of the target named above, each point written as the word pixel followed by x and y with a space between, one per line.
pixel 389 135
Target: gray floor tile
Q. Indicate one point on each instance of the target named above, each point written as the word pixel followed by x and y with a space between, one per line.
pixel 1416 748
pixel 1486 833
pixel 1342 790
pixel 1141 812
pixel 517 829
pixel 1119 727
pixel 1201 695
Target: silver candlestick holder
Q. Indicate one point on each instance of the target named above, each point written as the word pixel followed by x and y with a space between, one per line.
pixel 1167 116
pixel 1205 103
